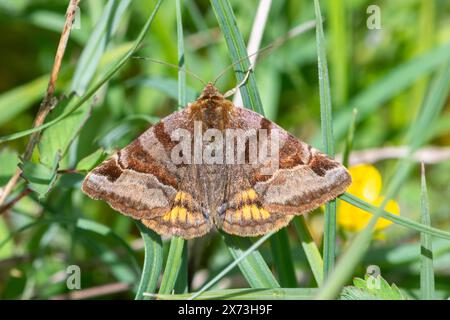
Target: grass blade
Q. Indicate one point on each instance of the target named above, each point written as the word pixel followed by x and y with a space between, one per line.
pixel 248 260
pixel 106 231
pixel 152 262
pixel 329 236
pixel 238 52
pixel 279 242
pixel 310 248
pixel 173 264
pixel 96 45
pixel 61 135
pixel 95 87
pixel 339 48
pixel 254 268
pixel 426 249
pixel 21 97
pixel 357 248
pixel 401 221
pixel 282 259
pixel 254 42
pixel 349 140
pixel 181 58
pixel 247 294
pixel 378 93
pixel 182 285
pixel 176 265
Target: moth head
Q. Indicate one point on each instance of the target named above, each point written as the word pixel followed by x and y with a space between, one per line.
pixel 210 92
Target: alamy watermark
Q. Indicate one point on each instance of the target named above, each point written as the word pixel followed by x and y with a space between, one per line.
pixel 73 281
pixel 229 146
pixel 373 274
pixel 373 21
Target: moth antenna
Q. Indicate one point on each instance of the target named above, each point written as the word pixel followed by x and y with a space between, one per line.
pixel 221 74
pixel 233 91
pixel 187 71
pixel 294 32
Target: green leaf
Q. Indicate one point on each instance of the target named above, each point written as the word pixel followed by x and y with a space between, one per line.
pixel 21 98
pixel 105 231
pixel 92 160
pixel 97 43
pixel 7 250
pixel 326 117
pixel 9 160
pixel 40 177
pixel 105 78
pixel 54 21
pixel 152 263
pixel 101 248
pixel 61 135
pixel 83 224
pixel 372 288
pixel 426 248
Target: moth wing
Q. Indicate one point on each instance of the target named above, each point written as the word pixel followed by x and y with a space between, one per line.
pixel 244 212
pixel 142 181
pixel 188 217
pixel 302 179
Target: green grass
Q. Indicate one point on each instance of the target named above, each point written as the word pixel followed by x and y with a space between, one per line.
pixel 152 263
pixel 340 89
pixel 426 245
pixel 360 244
pixel 175 273
pixel 326 119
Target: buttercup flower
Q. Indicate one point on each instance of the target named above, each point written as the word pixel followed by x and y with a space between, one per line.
pixel 366 185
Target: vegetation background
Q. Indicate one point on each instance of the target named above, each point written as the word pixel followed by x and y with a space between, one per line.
pixel 396 77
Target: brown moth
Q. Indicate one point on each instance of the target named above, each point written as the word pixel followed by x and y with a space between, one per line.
pixel 189 199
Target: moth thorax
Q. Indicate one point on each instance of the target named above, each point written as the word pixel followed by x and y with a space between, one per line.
pixel 216 113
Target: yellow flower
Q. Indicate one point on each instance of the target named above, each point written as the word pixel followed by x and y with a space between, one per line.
pixel 366 184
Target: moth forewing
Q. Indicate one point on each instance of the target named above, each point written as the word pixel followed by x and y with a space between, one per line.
pixel 216 164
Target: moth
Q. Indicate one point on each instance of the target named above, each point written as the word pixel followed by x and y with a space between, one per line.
pixel 188 199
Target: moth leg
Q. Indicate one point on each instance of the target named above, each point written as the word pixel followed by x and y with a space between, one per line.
pixel 231 92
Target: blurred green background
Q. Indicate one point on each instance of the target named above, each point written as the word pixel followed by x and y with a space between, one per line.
pixel 383 73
